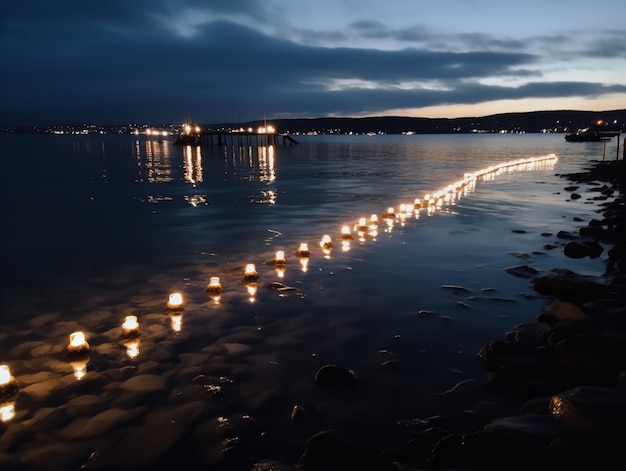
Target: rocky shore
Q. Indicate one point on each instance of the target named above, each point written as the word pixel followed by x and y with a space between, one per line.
pixel 566 372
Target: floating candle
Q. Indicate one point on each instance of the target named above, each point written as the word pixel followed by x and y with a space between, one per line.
pixel 175 301
pixel 7 411
pixel 130 327
pixel 303 250
pixel 361 225
pixel 78 346
pixel 326 242
pixel 345 233
pixel 279 258
pixel 250 273
pixel 215 285
pixel 8 384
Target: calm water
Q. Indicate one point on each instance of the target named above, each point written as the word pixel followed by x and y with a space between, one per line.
pixel 99 227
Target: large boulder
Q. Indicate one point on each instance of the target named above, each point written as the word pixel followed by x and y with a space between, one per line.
pixel 590 410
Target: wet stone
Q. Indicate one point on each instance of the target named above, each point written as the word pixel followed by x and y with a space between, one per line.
pixel 523 271
pixel 144 383
pixel 106 421
pixel 536 425
pixel 563 310
pixel 335 377
pixel 575 249
pixel 535 333
pixel 161 431
pixel 566 235
pixel 331 449
pixel 590 410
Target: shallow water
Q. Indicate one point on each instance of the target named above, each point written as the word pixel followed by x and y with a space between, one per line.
pixel 100 227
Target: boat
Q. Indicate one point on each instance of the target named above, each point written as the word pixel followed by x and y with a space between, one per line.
pixel 590 136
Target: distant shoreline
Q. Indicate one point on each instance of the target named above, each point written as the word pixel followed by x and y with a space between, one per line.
pixel 559 121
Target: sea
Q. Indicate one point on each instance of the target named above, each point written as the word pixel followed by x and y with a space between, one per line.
pixel 100 227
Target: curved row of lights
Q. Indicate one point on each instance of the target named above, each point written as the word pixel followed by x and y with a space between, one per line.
pixel 77 351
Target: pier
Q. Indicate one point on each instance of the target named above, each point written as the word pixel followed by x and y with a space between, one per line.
pixel 239 138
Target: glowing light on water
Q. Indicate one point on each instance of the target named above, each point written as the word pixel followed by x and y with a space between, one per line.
pixel 303 250
pixel 326 242
pixel 78 345
pixel 250 272
pixel 5 375
pixel 7 411
pixel 177 322
pixel 80 368
pixel 130 327
pixel 132 349
pixel 175 301
pixel 345 233
pixel 252 289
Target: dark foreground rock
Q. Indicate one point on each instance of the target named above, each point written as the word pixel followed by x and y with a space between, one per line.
pixel 567 370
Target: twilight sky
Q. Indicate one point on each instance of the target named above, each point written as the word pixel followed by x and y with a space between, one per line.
pixel 153 61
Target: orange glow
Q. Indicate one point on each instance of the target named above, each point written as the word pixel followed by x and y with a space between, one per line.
pixel 77 340
pixel 250 272
pixel 132 349
pixel 80 368
pixel 252 289
pixel 326 242
pixel 175 301
pixel 5 375
pixel 345 233
pixel 177 322
pixel 303 250
pixel 7 411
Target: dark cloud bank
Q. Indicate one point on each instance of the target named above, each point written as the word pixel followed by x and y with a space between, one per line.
pixel 119 62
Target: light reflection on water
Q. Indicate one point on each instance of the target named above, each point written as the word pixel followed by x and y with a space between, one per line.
pixel 343 304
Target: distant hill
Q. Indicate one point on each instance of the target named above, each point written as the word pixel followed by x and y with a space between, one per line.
pixel 532 122
pixel 567 121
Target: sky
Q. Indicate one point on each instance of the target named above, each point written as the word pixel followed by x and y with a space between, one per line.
pixel 211 61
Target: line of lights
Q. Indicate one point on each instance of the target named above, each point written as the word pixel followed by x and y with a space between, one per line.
pixel 78 349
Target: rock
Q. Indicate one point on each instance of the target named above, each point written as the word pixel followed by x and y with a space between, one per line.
pixel 335 378
pixel 540 426
pixel 419 448
pixel 590 410
pixel 160 432
pixel 509 449
pixel 499 356
pixel 575 196
pixel 565 310
pixel 523 271
pixel 333 450
pixel 575 249
pixel 536 405
pixel 146 383
pixel 566 235
pixel 297 412
pixel 535 333
pixel 595 358
pixel 448 451
pixel 572 288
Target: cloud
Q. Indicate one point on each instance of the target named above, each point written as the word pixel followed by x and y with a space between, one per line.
pixel 155 61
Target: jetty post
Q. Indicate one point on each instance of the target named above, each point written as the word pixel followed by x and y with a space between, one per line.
pixel 265 136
